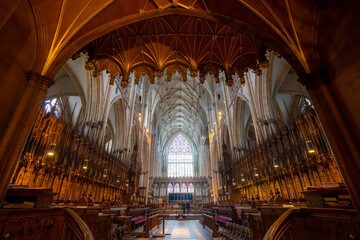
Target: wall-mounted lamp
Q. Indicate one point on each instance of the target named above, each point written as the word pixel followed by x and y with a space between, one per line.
pixel 86 163
pixel 51 151
pixel 242 178
pixel 276 165
pixel 256 172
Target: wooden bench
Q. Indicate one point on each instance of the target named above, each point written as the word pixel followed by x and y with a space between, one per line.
pixel 209 221
pixel 138 217
pixel 152 221
pixel 224 214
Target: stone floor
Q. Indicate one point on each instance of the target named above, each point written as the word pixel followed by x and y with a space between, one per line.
pixel 184 229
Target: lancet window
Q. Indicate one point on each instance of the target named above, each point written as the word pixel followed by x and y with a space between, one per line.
pixel 170 188
pixel 183 188
pixel 177 188
pixel 191 188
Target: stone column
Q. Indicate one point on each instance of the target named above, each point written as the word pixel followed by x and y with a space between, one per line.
pixel 225 90
pixel 253 110
pixel 18 129
pixel 339 129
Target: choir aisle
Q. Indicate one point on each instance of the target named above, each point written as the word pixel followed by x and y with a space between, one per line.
pixel 186 229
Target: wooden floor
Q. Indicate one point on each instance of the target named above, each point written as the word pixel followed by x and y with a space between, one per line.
pixel 184 229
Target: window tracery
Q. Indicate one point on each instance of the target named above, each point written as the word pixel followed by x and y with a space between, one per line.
pixel 170 188
pixel 177 188
pixel 52 105
pixel 184 188
pixel 180 158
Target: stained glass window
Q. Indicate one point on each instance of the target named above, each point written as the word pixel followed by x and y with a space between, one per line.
pixel 176 188
pixel 170 188
pixel 183 187
pixel 52 105
pixel 180 161
pixel 191 188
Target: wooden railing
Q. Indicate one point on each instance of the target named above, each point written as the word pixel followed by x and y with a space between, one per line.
pixel 54 224
pixel 280 226
pixel 315 223
pixel 78 226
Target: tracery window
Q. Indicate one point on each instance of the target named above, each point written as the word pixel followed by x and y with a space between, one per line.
pixel 177 188
pixel 156 190
pixel 183 188
pixel 198 189
pixel 52 105
pixel 162 189
pixel 180 158
pixel 170 188
pixel 191 188
pixel 305 104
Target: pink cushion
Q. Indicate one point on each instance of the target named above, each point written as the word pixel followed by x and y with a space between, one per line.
pixel 223 219
pixel 135 220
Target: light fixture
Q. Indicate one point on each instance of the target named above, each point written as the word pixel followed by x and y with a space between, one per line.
pixel 276 165
pixel 242 178
pixel 86 163
pixel 105 173
pixel 256 172
pixel 311 151
pixel 51 151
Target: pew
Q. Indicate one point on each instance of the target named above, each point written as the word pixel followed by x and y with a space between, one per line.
pixel 138 217
pixel 224 214
pixel 49 223
pixel 152 221
pixel 209 221
pixel 99 223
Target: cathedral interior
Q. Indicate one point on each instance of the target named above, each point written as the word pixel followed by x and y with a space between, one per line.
pixel 180 119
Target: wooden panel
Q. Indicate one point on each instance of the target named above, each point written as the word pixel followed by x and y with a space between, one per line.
pixel 54 224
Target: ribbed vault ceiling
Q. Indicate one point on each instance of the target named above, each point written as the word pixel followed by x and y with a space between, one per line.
pixel 176 53
pixel 180 106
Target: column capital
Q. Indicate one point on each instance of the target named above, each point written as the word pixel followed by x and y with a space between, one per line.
pixel 34 77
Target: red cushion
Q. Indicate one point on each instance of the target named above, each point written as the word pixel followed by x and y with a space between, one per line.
pixel 135 220
pixel 239 217
pixel 223 219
